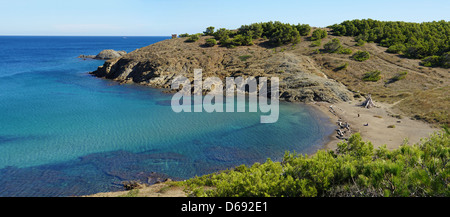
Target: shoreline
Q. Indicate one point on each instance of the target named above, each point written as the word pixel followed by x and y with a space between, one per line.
pixel 384 127
pixel 377 117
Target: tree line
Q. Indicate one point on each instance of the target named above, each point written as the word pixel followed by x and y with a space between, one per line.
pixel 277 33
pixel 429 41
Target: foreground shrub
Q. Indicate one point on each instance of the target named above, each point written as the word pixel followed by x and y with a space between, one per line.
pixel 354 169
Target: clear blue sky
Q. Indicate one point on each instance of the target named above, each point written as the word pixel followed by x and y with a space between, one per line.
pixel 163 17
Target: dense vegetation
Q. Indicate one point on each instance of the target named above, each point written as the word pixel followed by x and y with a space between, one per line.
pixel 276 32
pixel 429 41
pixel 354 169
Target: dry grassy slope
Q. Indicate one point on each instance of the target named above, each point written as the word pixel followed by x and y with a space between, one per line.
pixel 422 94
pixel 156 65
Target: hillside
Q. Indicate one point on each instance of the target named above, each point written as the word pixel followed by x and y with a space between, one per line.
pixel 307 72
pixel 156 65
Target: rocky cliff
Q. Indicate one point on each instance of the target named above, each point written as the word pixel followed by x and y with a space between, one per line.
pixel 156 65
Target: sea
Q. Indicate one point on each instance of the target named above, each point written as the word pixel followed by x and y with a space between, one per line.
pixel 66 133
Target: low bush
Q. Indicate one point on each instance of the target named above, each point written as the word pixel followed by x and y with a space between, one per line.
pixel 319 34
pixel 316 43
pixel 372 76
pixel 193 38
pixel 360 42
pixel 332 46
pixel 341 67
pixel 211 42
pixel 361 56
pixel 345 51
pixel 183 35
pixel 399 76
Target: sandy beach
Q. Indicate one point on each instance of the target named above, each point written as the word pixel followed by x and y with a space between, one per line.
pixel 380 124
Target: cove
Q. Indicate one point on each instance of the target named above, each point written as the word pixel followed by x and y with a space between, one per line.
pixel 66 133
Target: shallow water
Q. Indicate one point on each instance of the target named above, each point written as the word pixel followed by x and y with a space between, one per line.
pixel 64 132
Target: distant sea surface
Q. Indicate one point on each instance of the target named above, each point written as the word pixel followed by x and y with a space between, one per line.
pixel 66 133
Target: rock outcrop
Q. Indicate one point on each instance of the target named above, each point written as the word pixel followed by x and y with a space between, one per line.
pixel 156 65
pixel 104 55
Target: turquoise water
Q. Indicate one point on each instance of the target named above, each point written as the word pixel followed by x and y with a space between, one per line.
pixel 64 132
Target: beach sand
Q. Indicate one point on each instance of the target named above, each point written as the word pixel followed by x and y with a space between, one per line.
pixel 379 125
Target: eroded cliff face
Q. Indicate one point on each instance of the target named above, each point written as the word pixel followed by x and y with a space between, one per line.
pixel 156 66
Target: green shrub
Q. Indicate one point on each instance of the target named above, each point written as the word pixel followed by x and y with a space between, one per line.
pixel 399 76
pixel 193 38
pixel 241 40
pixel 284 34
pixel 209 31
pixel 183 35
pixel 396 48
pixel 210 42
pixel 372 76
pixel 222 34
pixel 254 30
pixel 445 60
pixel 319 34
pixel 345 51
pixel 332 46
pixel 360 42
pixel 361 56
pixel 316 43
pixel 431 61
pixel 303 29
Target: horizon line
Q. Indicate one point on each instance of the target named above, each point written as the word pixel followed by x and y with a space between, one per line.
pixel 88 35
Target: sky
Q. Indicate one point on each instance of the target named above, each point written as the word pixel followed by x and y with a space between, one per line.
pixel 164 17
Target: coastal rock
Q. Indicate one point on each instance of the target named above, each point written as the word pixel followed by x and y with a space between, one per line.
pixel 104 55
pixel 87 56
pixel 156 65
pixel 109 54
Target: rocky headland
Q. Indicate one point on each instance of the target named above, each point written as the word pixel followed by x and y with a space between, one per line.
pixel 156 65
pixel 104 55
